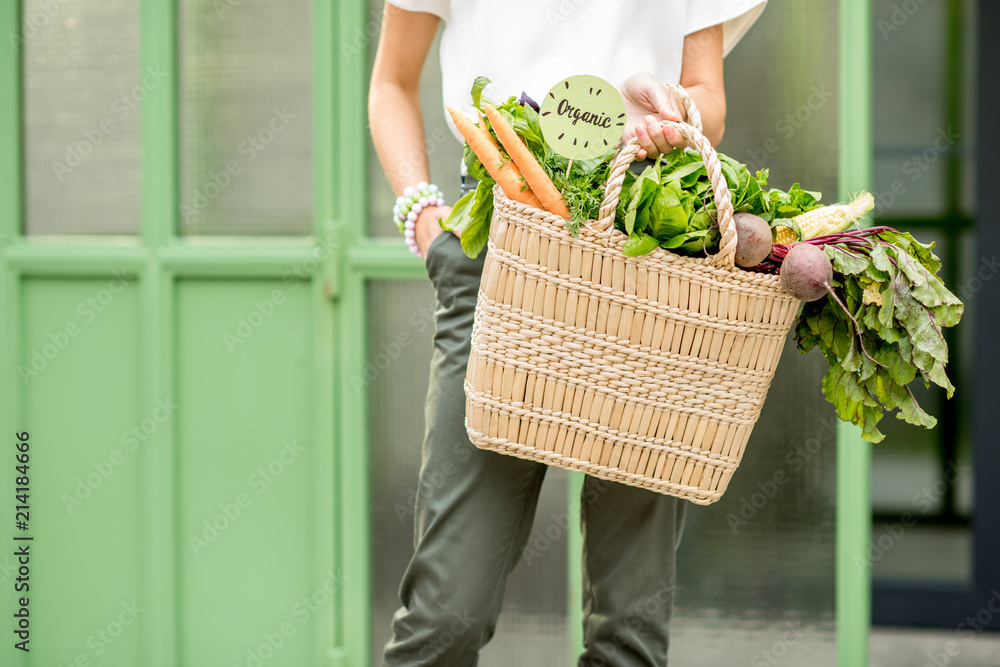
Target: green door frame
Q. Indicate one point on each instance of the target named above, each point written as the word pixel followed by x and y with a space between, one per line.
pixel 854 173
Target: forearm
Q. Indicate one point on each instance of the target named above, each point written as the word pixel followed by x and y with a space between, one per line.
pixel 712 106
pixel 702 77
pixel 397 125
pixel 397 130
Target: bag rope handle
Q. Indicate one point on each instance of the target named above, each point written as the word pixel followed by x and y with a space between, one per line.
pixel 692 134
pixel 690 110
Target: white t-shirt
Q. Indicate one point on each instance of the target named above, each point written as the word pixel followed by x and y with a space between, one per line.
pixel 531 45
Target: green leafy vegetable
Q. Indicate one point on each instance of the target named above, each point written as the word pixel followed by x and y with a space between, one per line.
pixel 792 203
pixel 461 214
pixel 477 90
pixel 470 217
pixel 671 201
pixel 639 244
pixel 681 207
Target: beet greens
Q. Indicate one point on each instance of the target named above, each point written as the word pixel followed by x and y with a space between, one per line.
pixel 884 329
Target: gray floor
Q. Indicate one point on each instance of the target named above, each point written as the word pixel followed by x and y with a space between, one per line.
pixel 910 647
pixel 700 644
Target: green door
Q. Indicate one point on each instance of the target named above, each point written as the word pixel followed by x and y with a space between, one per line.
pixel 169 259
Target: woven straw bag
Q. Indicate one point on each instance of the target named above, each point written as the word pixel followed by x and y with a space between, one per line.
pixel 650 371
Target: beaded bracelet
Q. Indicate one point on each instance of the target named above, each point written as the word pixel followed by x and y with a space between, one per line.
pixel 408 207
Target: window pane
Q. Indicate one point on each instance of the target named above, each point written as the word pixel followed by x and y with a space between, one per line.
pixel 82 86
pixel 913 470
pixel 922 480
pixel 913 139
pixel 969 91
pixel 245 117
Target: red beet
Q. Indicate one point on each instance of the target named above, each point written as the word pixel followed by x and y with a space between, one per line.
pixel 753 239
pixel 806 272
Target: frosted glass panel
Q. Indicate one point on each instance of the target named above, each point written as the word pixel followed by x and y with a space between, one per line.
pixel 532 627
pixel 82 89
pixel 763 556
pixel 756 569
pixel 245 117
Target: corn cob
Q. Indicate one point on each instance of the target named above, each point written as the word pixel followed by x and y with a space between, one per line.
pixel 826 219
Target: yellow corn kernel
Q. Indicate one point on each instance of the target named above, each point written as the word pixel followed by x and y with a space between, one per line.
pixel 827 219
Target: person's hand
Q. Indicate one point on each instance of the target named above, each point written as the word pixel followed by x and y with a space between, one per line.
pixel 428 227
pixel 647 102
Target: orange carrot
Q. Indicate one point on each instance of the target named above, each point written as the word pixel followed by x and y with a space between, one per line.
pixel 504 172
pixel 537 179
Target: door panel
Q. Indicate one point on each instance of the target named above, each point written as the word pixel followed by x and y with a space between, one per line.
pixel 80 403
pixel 244 452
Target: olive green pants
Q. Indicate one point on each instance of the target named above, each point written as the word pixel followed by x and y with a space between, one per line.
pixel 474 511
